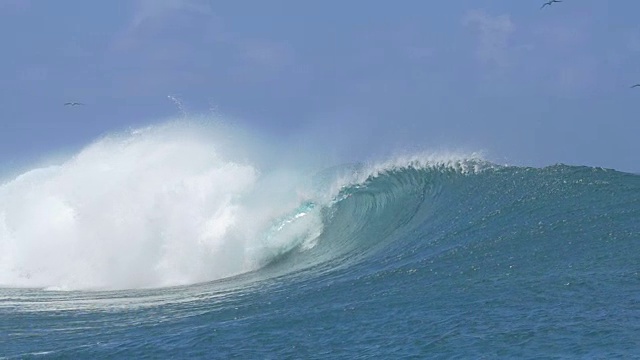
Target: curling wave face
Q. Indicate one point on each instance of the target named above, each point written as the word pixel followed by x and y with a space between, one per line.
pixel 168 205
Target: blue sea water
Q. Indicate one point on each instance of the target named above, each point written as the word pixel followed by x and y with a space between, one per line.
pixel 173 249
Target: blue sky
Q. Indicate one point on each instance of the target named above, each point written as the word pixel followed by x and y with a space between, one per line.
pixel 525 85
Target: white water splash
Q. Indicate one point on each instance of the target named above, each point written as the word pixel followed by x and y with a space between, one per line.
pixel 158 206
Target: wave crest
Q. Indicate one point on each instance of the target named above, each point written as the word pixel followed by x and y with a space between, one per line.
pixel 175 205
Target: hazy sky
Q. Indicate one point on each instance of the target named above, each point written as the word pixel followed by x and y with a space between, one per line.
pixel 525 85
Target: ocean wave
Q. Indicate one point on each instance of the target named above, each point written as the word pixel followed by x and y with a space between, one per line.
pixel 170 205
pixel 175 205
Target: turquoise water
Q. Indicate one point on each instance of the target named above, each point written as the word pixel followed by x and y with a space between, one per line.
pixel 457 259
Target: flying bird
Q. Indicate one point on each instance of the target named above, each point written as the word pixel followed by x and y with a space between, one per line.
pixel 550 2
pixel 73 104
pixel 635 86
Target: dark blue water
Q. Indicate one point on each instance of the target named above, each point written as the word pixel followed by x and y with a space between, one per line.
pixel 412 262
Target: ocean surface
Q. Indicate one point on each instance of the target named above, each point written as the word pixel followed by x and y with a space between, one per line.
pixel 159 243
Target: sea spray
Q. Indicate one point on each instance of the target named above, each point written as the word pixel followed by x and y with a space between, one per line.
pixel 158 206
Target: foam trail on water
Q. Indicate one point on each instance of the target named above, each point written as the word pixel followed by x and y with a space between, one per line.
pixel 153 207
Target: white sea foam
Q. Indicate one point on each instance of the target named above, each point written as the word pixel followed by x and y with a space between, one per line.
pixel 159 206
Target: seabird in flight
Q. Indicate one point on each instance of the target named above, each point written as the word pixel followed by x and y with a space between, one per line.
pixel 635 86
pixel 549 3
pixel 73 104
